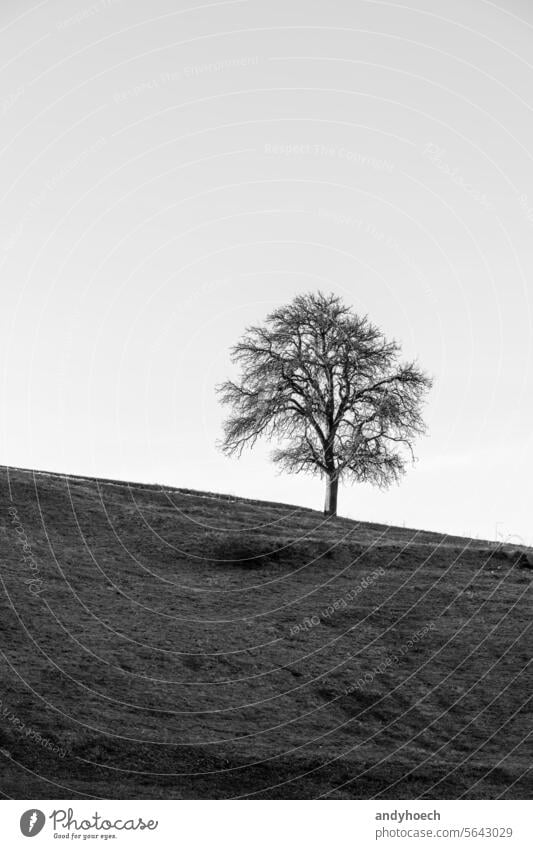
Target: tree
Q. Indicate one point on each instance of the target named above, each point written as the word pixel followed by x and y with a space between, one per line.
pixel 327 385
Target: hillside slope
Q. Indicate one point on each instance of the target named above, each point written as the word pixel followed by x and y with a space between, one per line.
pixel 170 644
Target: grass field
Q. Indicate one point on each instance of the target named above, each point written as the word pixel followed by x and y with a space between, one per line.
pixel 172 644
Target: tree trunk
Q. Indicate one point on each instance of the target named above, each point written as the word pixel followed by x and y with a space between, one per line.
pixel 332 487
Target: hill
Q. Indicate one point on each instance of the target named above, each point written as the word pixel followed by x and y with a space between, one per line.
pixel 164 643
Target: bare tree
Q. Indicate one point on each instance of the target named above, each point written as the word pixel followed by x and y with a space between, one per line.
pixel 327 385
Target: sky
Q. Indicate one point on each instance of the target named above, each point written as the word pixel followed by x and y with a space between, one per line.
pixel 170 173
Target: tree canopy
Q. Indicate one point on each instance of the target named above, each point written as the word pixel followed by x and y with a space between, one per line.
pixel 330 389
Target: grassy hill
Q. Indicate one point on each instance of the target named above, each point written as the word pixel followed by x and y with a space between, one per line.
pixel 173 644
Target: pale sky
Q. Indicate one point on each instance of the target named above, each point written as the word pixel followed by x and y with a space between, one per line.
pixel 169 175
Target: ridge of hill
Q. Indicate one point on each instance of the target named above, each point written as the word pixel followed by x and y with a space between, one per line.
pixel 165 643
